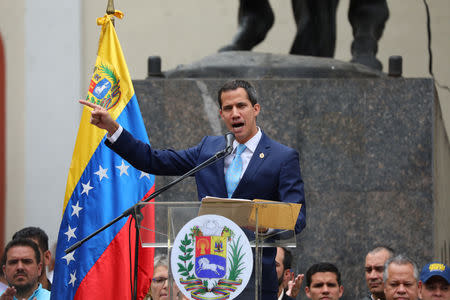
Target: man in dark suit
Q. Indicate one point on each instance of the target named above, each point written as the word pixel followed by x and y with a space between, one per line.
pixel 267 169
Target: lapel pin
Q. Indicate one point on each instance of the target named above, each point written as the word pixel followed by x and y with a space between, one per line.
pixel 261 155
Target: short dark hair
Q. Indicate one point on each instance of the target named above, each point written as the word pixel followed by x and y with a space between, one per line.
pixel 379 248
pixel 33 233
pixel 234 85
pixel 23 242
pixel 287 261
pixel 322 267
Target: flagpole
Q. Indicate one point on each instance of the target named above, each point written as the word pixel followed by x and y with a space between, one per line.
pixel 110 10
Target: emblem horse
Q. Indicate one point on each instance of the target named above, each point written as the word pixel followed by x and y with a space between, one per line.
pixel 203 264
pixel 99 89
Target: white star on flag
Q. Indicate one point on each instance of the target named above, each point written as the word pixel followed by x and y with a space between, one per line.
pixel 76 209
pixel 73 278
pixel 86 188
pixel 69 257
pixel 70 233
pixel 101 172
pixel 143 174
pixel 123 168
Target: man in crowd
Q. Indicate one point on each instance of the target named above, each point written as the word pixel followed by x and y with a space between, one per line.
pixel 323 281
pixel 22 269
pixel 401 279
pixel 38 236
pixel 374 268
pixel 257 168
pixel 288 284
pixel 434 282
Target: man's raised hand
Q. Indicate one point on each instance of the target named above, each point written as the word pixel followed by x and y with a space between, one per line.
pixel 294 284
pixel 101 118
pixel 9 294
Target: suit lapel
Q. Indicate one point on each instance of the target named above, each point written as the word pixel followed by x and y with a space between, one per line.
pixel 261 153
pixel 219 168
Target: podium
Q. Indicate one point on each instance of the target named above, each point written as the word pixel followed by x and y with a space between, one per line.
pixel 265 223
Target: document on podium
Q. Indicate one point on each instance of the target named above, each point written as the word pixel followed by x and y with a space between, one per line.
pixel 271 214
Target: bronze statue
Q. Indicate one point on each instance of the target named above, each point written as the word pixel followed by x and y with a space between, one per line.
pixel 316 27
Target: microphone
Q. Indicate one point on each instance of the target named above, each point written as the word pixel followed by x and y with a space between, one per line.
pixel 230 138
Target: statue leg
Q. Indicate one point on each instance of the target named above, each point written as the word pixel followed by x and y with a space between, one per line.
pixel 316 27
pixel 255 20
pixel 367 18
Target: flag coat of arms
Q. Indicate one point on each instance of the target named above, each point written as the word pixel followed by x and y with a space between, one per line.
pixel 100 186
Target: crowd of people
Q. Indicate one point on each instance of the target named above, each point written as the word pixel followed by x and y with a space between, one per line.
pixel 27 260
pixel 388 275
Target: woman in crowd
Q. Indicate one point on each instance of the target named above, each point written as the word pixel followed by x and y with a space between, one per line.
pixel 159 288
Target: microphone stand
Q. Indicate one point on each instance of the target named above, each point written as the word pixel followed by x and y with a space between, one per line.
pixel 135 210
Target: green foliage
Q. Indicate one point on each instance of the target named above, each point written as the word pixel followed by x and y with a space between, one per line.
pixel 109 73
pixel 186 268
pixel 186 241
pixel 235 259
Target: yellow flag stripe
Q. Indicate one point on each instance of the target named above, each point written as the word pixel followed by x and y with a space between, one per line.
pixel 89 136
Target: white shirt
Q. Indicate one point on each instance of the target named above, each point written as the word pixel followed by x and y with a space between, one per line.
pixel 115 135
pixel 281 295
pixel 251 145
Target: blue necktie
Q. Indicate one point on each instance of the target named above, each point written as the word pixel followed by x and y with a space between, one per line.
pixel 234 171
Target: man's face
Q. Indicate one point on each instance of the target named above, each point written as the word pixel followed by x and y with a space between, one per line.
pixel 436 288
pixel 279 264
pixel 239 115
pixel 401 283
pixel 374 268
pixel 324 286
pixel 21 269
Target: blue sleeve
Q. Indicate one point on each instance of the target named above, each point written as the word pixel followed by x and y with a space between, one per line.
pixel 158 162
pixel 291 187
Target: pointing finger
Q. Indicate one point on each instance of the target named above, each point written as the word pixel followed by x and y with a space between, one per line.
pixel 90 104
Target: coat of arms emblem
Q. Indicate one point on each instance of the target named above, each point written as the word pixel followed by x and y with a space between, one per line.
pixel 104 88
pixel 211 258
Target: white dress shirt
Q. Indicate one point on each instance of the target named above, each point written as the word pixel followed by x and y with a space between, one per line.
pixel 115 135
pixel 251 145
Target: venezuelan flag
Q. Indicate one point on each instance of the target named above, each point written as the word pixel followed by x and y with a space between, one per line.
pixel 100 186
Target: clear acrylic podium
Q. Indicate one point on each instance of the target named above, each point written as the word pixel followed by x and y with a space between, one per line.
pixel 271 225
